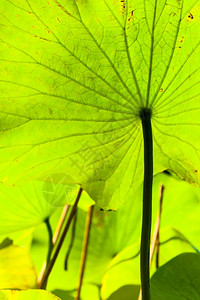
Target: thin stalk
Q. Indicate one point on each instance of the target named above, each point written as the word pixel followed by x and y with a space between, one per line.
pixel 60 224
pixel 145 116
pixel 60 242
pixel 73 234
pixel 155 238
pixel 50 234
pixel 159 217
pixel 55 238
pixel 84 251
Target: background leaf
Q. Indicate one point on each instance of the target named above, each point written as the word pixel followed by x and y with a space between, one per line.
pixel 179 221
pixel 115 241
pixel 23 207
pixel 32 203
pixel 178 279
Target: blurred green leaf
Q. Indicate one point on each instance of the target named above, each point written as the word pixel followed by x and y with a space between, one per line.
pixel 180 213
pixel 115 239
pixel 23 207
pixel 128 292
pixel 178 279
pixel 122 272
pixel 88 291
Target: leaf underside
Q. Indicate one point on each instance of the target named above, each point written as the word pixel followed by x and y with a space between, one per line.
pixel 74 76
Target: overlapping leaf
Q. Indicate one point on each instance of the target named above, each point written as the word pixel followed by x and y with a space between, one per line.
pixel 32 203
pixel 73 78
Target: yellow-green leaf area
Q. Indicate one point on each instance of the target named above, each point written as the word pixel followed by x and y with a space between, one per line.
pixel 28 294
pixel 16 269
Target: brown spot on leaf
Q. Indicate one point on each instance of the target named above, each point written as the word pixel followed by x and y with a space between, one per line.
pixel 131 16
pixel 190 16
pixel 182 39
pixel 41 38
pixel 61 7
pixel 161 90
pixel 123 6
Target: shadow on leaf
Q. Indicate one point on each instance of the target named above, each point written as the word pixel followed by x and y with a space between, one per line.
pixel 128 292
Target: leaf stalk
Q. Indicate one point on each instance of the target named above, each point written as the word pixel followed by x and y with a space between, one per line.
pixel 60 242
pixel 145 116
pixel 84 251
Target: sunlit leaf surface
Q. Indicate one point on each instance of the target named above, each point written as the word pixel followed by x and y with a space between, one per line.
pixel 73 78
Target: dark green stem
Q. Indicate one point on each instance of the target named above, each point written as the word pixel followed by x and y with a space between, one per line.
pixel 50 247
pixel 60 242
pixel 145 116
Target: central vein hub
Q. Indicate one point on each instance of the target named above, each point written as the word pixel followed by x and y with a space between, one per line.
pixel 145 113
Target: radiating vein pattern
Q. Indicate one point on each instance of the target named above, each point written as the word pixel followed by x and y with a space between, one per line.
pixel 74 76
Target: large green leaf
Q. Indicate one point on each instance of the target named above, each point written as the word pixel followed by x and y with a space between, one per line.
pixel 178 279
pixel 29 294
pixel 74 76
